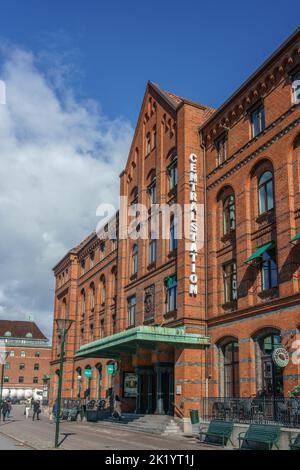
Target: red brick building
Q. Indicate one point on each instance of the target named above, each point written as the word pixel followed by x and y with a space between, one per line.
pixel 28 363
pixel 182 323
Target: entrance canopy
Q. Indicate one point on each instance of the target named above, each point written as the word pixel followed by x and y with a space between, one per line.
pixel 142 336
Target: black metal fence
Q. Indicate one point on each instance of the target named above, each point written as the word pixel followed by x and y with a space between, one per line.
pixel 283 411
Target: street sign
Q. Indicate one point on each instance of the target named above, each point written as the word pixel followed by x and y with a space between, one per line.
pixel 88 373
pixel 111 368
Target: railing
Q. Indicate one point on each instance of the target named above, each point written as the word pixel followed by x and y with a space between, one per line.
pixel 283 411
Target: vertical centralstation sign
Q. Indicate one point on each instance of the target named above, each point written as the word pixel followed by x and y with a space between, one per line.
pixel 193 177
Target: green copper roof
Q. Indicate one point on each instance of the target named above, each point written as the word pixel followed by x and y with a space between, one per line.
pixel 259 252
pixel 144 336
pixel 296 237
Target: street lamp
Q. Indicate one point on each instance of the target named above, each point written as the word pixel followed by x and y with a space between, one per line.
pixel 63 326
pixel 3 356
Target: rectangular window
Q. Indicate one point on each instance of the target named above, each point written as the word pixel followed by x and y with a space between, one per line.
pixel 221 147
pixel 21 380
pixel 23 354
pixel 6 380
pixel 258 120
pixel 296 88
pixel 22 366
pixel 269 273
pixel 35 380
pixel 148 143
pixel 230 282
pixel 173 234
pixel 37 354
pixel 154 136
pixel 12 353
pixel 152 251
pixel 7 365
pixel 171 293
pixel 36 367
pixel 131 310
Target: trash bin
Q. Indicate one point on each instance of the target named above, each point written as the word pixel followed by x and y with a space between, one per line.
pixel 92 415
pixel 194 415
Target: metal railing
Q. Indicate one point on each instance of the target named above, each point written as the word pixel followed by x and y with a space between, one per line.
pixel 282 411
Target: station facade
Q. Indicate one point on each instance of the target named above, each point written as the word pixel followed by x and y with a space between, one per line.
pixel 175 321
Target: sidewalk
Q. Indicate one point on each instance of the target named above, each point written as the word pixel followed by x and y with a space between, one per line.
pixel 87 436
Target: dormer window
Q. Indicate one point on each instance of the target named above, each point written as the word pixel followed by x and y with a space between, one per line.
pixel 28 335
pixel 7 333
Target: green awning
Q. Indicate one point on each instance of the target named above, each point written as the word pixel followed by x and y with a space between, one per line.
pixel 259 252
pixel 141 336
pixel 296 237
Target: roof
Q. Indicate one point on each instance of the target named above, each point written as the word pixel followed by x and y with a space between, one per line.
pixel 253 76
pixel 19 329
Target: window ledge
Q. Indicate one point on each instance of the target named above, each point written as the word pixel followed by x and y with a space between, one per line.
pixel 148 321
pixel 151 266
pixel 266 217
pixel 171 314
pixel 172 192
pixel 230 306
pixel 268 294
pixel 228 237
pixel 172 253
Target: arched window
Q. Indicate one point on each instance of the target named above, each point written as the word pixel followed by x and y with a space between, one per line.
pixel 172 173
pixel 92 296
pixel 7 333
pixel 269 376
pixel 134 260
pixel 102 290
pixel 82 301
pixel 148 144
pixel 228 214
pixel 114 282
pixel 265 192
pixel 152 189
pixel 229 373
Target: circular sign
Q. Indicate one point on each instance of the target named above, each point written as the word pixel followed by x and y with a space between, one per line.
pixel 281 357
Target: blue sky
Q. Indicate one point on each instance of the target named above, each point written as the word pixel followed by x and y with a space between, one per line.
pixel 75 74
pixel 201 50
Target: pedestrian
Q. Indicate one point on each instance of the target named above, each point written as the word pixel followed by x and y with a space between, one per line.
pixel 4 409
pixel 9 409
pixel 36 410
pixel 27 407
pixel 54 410
pixel 117 408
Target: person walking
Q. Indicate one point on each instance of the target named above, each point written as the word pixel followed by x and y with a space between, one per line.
pixel 27 407
pixel 36 410
pixel 117 408
pixel 9 409
pixel 54 410
pixel 4 410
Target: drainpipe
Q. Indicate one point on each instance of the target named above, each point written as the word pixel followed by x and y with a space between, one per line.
pixel 205 256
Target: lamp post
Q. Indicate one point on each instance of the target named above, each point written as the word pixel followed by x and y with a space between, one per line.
pixel 63 326
pixel 3 356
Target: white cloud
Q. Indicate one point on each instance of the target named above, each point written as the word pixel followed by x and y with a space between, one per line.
pixel 59 158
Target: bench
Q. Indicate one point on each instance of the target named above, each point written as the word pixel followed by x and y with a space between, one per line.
pixel 259 437
pixel 218 433
pixel 295 443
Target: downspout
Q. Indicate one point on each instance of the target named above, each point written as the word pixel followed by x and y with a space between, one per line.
pixel 205 256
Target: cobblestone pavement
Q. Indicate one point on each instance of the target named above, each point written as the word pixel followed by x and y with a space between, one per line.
pixel 87 436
